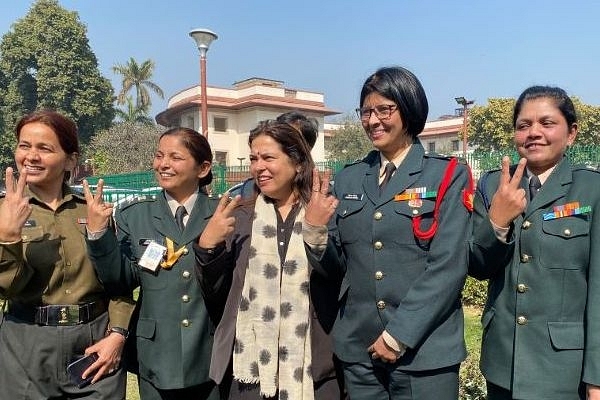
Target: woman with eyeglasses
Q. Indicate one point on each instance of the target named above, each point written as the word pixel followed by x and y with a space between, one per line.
pixel 402 226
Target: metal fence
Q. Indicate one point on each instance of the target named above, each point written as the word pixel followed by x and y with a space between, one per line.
pixel 121 186
pixel 125 185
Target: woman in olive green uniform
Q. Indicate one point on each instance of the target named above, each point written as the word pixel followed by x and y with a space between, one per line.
pixel 57 309
pixel 539 249
pixel 150 250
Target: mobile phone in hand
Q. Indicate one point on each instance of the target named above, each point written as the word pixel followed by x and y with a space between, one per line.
pixel 78 367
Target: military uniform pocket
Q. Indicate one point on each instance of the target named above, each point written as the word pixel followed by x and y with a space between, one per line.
pixel 566 335
pixel 566 243
pixel 146 328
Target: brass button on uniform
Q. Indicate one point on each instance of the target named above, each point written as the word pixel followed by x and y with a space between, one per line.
pixel 186 274
pixel 379 275
pixel 415 211
pixel 185 322
pixel 522 288
pixel 378 245
pixel 526 225
pixel 567 232
pixel 381 304
pixel 185 298
pixel 378 215
pixel 185 251
pixel 524 258
pixel 521 320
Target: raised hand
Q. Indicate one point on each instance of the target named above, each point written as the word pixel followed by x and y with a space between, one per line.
pixel 510 199
pixel 15 208
pixel 221 224
pixel 322 205
pixel 99 212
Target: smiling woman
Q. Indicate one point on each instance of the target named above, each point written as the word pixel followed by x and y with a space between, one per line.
pixel 537 244
pixel 57 307
pixel 151 249
pixel 253 264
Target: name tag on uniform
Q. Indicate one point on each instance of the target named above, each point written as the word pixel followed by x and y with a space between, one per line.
pixel 353 196
pixel 30 223
pixel 152 256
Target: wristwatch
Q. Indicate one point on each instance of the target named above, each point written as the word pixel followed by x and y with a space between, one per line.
pixel 121 331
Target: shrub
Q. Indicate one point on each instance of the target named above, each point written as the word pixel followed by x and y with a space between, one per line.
pixel 474 293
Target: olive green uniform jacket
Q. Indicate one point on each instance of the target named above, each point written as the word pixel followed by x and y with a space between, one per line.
pixel 174 334
pixel 541 322
pixel 50 265
pixel 395 281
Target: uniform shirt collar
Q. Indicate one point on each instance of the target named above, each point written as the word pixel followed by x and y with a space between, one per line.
pixel 188 204
pixel 396 160
pixel 543 176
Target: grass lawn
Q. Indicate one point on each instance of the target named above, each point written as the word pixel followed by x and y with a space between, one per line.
pixel 132 388
pixel 472 383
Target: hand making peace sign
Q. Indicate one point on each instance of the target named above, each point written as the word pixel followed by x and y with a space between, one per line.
pixel 15 208
pixel 322 205
pixel 221 224
pixel 99 212
pixel 510 199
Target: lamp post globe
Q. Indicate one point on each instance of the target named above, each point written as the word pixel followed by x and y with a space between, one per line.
pixel 203 39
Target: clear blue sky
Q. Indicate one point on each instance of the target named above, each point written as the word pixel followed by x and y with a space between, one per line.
pixel 475 49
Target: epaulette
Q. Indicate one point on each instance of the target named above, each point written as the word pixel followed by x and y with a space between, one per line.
pixel 584 167
pixel 366 159
pixel 443 157
pixel 131 200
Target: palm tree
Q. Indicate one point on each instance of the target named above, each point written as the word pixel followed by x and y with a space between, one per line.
pixel 134 113
pixel 138 76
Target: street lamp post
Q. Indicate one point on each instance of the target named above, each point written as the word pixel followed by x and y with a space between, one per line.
pixel 241 159
pixel 203 38
pixel 465 104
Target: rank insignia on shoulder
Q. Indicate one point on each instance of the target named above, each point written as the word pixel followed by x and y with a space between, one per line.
pixel 136 199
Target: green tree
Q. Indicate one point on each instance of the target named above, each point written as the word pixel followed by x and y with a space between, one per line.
pixel 490 126
pixel 124 147
pixel 589 123
pixel 133 113
pixel 46 62
pixel 137 76
pixel 349 141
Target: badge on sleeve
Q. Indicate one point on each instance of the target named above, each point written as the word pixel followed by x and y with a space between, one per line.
pixel 152 256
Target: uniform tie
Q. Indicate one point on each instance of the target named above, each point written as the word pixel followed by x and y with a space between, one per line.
pixel 180 213
pixel 390 167
pixel 534 186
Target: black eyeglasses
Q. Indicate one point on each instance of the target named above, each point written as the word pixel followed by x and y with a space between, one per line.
pixel 382 111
